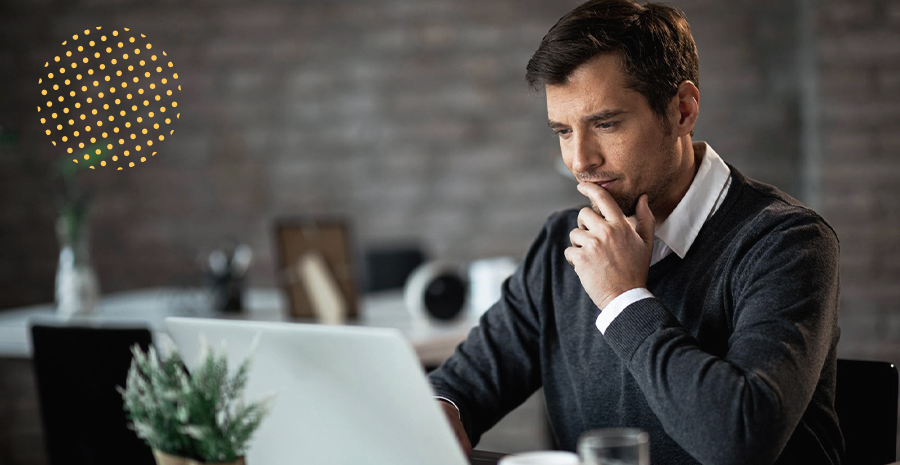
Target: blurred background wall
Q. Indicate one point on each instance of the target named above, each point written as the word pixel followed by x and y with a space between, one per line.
pixel 411 118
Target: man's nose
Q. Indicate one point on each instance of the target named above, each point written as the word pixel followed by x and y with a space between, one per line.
pixel 587 155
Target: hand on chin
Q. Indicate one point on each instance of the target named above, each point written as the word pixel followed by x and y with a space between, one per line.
pixel 610 252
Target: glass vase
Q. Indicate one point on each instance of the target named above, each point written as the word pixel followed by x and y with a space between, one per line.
pixel 77 289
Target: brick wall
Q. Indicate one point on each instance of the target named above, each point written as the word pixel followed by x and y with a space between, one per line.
pixel 409 117
pixel 859 85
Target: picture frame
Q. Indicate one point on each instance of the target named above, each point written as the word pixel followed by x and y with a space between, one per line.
pixel 328 238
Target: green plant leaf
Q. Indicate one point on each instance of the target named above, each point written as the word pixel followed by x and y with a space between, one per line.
pixel 199 415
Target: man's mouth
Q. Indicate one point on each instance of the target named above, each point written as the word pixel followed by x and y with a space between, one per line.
pixel 604 183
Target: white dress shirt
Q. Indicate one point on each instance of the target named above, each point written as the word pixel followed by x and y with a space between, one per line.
pixel 677 233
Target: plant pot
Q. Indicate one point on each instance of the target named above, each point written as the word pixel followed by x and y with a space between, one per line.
pixel 163 458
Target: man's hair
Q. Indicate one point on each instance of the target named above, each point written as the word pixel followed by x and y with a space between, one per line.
pixel 654 42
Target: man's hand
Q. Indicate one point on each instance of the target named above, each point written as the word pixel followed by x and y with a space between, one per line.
pixel 610 255
pixel 456 423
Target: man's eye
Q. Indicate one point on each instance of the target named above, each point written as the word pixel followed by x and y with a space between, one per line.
pixel 562 132
pixel 607 125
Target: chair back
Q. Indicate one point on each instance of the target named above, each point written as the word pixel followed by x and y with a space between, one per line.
pixel 866 405
pixel 76 371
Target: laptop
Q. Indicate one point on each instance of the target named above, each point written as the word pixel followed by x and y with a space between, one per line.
pixel 346 395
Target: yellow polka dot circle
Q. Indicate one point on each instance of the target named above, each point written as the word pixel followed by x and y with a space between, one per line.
pixel 95 82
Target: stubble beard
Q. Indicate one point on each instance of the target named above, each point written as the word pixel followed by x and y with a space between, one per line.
pixel 627 201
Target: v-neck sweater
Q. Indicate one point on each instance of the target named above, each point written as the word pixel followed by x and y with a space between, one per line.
pixel 733 361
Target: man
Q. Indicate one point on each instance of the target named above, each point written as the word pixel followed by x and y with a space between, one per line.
pixel 689 301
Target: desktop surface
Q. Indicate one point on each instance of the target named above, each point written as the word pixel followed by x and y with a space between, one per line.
pixel 479 457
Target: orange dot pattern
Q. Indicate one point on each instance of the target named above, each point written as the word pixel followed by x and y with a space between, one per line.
pixel 96 81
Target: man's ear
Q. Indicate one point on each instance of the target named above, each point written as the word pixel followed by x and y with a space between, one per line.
pixel 684 109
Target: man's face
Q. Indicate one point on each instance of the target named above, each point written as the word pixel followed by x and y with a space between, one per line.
pixel 609 135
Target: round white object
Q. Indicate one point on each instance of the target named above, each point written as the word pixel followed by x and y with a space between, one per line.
pixel 541 458
pixel 417 285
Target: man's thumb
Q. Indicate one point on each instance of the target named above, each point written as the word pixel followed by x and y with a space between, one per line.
pixel 646 222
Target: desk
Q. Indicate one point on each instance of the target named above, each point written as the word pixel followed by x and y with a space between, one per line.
pixel 433 342
pixel 21 438
pixel 479 457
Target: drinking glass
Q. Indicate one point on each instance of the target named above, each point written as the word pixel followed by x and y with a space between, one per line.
pixel 614 446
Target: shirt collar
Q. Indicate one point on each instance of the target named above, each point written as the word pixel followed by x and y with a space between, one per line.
pixel 680 229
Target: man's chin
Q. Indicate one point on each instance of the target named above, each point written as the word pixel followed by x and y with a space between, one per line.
pixel 628 206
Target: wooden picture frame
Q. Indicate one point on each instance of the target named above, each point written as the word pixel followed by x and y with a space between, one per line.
pixel 329 237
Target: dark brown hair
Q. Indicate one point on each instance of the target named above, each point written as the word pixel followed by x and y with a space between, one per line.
pixel 654 41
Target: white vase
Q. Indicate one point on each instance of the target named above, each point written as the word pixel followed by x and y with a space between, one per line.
pixel 77 289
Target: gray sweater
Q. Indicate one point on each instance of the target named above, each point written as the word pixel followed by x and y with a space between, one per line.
pixel 732 362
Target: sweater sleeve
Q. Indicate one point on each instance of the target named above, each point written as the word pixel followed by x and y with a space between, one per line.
pixel 498 367
pixel 743 407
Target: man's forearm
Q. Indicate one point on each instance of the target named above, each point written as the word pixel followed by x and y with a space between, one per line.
pixel 497 367
pixel 741 406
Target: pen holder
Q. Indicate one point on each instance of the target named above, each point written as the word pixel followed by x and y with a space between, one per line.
pixel 224 273
pixel 226 292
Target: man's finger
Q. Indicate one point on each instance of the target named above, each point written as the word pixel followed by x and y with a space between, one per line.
pixel 589 220
pixel 603 200
pixel 578 237
pixel 646 223
pixel 568 254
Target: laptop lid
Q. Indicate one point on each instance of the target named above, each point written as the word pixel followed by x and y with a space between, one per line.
pixel 346 395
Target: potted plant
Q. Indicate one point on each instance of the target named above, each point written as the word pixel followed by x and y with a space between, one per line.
pixel 191 418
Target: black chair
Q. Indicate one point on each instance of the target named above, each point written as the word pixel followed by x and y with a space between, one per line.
pixel 77 370
pixel 866 405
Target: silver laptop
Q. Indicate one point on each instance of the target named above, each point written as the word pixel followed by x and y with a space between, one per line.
pixel 347 395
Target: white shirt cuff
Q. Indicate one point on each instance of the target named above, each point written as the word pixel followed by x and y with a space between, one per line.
pixel 614 308
pixel 451 403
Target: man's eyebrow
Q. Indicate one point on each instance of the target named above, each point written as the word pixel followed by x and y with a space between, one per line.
pixel 599 116
pixel 554 125
pixel 603 115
